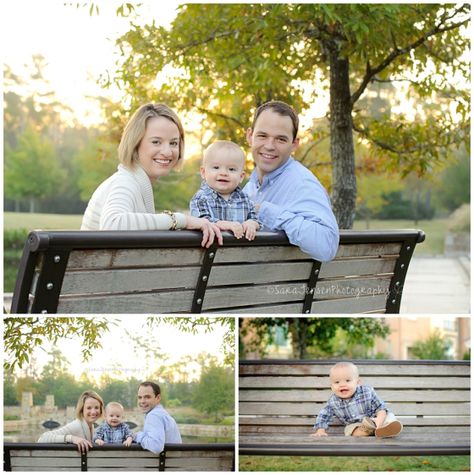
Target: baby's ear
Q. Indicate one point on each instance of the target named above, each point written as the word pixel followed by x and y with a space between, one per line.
pixel 202 170
pixel 242 176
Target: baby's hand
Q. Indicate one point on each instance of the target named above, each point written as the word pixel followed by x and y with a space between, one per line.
pixel 99 442
pixel 250 228
pixel 128 442
pixel 235 227
pixel 319 433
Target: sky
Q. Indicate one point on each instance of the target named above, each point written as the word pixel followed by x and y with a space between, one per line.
pixel 119 353
pixel 78 47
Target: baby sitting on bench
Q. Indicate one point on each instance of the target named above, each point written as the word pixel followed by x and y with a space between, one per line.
pixel 357 406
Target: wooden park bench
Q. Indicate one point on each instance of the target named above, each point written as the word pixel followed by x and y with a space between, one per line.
pixel 279 401
pixel 169 272
pixel 27 457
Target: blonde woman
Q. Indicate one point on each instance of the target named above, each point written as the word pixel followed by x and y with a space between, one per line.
pixel 90 407
pixel 152 145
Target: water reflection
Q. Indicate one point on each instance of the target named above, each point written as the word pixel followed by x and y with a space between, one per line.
pixel 31 434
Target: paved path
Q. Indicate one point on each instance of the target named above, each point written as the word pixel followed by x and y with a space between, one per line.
pixel 437 285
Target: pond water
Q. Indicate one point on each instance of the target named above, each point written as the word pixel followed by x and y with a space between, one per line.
pixel 31 434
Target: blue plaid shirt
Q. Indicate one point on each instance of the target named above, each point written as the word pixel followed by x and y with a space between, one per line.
pixel 364 402
pixel 113 435
pixel 207 203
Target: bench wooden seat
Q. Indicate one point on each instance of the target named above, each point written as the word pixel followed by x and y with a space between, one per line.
pixel 279 401
pixel 38 457
pixel 169 272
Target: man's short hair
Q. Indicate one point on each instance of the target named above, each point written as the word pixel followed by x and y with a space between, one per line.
pixel 281 108
pixel 154 386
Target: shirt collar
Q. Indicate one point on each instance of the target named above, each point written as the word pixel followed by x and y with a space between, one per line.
pixel 269 177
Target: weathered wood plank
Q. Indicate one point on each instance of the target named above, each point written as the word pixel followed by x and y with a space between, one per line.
pixel 129 280
pixel 294 440
pixel 422 431
pixel 395 370
pixel 248 423
pixel 350 287
pixel 369 250
pixel 399 409
pixel 259 254
pixel 164 302
pixel 388 395
pixel 379 382
pixel 362 304
pixel 354 267
pixel 129 258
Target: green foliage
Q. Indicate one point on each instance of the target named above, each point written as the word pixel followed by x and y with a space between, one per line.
pixel 453 184
pixel 398 207
pixel 214 395
pixel 435 347
pixel 460 220
pixel 312 336
pixel 223 60
pixel 21 335
pixel 193 324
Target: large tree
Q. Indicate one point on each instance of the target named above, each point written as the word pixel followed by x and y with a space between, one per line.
pixel 223 60
pixel 257 333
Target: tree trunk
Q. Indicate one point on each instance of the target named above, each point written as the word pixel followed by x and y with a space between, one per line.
pixel 298 327
pixel 342 144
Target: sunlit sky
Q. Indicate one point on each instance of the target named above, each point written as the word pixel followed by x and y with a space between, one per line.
pixel 121 358
pixel 78 47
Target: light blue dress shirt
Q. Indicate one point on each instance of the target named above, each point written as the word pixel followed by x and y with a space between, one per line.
pixel 292 200
pixel 159 429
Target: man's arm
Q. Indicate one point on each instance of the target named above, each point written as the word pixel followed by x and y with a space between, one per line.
pixel 152 437
pixel 307 220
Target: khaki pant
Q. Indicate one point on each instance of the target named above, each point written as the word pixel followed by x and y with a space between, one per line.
pixel 349 429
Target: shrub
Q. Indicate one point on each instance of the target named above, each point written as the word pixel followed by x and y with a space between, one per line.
pixel 460 219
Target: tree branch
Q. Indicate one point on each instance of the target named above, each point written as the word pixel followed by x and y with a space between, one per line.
pixel 222 116
pixel 370 73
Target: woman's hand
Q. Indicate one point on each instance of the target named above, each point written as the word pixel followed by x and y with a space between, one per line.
pixel 209 230
pixel 83 445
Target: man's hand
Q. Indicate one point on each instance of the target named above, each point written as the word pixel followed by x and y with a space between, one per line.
pixel 250 228
pixel 235 227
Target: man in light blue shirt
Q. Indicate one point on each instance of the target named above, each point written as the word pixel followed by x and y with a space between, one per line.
pixel 288 196
pixel 159 428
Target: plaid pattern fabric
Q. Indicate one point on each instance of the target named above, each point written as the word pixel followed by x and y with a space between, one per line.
pixel 364 402
pixel 113 435
pixel 207 203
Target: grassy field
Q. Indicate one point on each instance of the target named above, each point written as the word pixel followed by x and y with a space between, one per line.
pixel 32 221
pixel 354 464
pixel 435 229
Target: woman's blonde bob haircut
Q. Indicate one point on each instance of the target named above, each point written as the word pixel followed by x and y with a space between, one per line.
pixel 82 400
pixel 135 131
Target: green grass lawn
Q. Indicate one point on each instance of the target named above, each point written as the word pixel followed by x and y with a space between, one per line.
pixel 434 229
pixel 454 463
pixel 32 221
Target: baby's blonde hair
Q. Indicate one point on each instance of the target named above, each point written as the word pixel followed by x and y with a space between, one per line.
pixel 221 146
pixel 345 364
pixel 114 404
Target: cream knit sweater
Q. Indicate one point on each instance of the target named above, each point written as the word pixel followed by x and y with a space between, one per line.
pixel 64 434
pixel 125 202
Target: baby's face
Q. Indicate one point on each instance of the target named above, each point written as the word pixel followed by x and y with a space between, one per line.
pixel 114 415
pixel 223 171
pixel 344 382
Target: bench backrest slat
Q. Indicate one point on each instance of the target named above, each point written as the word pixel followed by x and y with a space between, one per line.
pixel 169 272
pixel 291 393
pixel 40 457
